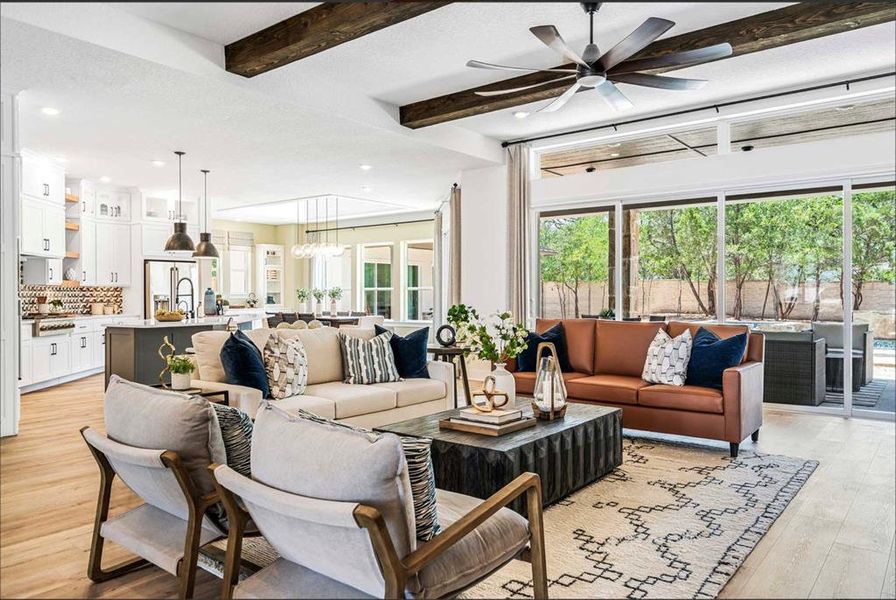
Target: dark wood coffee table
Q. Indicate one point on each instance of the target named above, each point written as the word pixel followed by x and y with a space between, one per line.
pixel 567 453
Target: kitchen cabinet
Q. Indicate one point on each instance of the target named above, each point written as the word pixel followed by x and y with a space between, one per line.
pixel 165 210
pixel 43 228
pixel 156 234
pixel 42 179
pixel 42 271
pixel 113 254
pixel 87 195
pixel 50 357
pixel 112 204
pixel 98 359
pixel 82 350
pixel 88 252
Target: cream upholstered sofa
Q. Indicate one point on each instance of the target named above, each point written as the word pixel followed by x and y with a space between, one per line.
pixel 325 394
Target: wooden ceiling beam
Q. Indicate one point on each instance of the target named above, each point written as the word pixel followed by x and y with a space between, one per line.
pixel 772 29
pixel 317 29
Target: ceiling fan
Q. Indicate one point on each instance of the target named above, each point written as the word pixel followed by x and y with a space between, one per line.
pixel 602 71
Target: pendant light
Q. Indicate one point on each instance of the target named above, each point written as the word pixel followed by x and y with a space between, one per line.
pixel 205 248
pixel 339 249
pixel 179 240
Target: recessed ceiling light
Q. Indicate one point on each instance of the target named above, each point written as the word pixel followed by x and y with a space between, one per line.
pixel 590 169
pixel 520 114
pixel 158 163
pixel 747 148
pixel 614 154
pixel 105 179
pixel 50 111
pixel 616 145
pixel 845 107
pixel 366 167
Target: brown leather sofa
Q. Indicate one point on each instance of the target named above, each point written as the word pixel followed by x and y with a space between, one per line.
pixel 607 358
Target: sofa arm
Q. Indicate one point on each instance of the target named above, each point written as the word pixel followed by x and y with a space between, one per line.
pixel 246 399
pixel 444 371
pixel 742 393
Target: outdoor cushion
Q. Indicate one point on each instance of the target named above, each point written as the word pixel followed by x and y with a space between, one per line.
pixel 409 352
pixel 621 346
pixel 685 397
pixel 579 337
pixel 525 380
pixel 243 363
pixel 415 391
pixel 526 360
pixel 352 400
pixel 710 356
pixel 619 389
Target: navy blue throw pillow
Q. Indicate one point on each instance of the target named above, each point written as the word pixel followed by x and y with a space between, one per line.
pixel 554 335
pixel 409 352
pixel 710 356
pixel 243 363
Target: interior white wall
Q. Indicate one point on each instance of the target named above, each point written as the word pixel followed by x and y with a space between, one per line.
pixel 484 239
pixel 9 265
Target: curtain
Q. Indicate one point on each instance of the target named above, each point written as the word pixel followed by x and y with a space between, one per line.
pixel 454 256
pixel 437 272
pixel 518 222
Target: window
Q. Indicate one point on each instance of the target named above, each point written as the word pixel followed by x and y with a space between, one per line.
pixel 338 273
pixel 419 291
pixel 239 261
pixel 378 280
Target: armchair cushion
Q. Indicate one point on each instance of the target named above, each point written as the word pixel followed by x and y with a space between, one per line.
pixel 243 363
pixel 409 352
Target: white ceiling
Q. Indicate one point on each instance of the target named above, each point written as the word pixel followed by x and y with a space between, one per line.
pixel 303 129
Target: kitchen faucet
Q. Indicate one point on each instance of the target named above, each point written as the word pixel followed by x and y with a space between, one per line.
pixel 177 299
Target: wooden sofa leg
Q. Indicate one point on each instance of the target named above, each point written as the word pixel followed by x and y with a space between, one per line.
pixel 755 436
pixel 734 449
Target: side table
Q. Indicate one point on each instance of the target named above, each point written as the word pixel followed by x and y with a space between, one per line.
pixel 223 396
pixel 448 354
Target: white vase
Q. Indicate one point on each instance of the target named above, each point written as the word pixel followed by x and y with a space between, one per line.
pixel 181 381
pixel 333 310
pixel 504 382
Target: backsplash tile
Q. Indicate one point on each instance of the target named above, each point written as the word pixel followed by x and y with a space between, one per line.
pixel 75 299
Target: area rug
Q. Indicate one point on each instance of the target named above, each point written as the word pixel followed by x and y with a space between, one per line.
pixel 674 521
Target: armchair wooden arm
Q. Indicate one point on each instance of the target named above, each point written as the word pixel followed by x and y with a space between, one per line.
pixel 237 518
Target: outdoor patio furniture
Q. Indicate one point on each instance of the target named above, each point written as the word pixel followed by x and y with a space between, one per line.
pixel 862 345
pixel 794 368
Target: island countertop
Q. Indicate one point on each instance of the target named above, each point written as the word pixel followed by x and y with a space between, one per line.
pixel 211 322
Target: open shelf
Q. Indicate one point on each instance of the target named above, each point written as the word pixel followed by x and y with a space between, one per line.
pixel 72 226
pixel 72 199
pixel 72 255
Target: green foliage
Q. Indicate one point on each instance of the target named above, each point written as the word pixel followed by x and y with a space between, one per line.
pixel 607 313
pixel 497 339
pixel 180 363
pixel 335 293
pixel 318 294
pixel 302 294
pixel 460 314
pixel 575 252
pixel 873 240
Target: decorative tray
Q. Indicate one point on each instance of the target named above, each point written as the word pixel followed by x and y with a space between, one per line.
pixel 486 429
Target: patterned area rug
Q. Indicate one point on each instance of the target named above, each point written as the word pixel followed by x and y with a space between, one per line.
pixel 674 521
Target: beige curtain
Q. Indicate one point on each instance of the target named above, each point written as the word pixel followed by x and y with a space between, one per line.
pixel 518 222
pixel 454 257
pixel 438 274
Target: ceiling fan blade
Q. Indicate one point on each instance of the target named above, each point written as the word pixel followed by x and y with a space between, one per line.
pixel 478 64
pixel 687 58
pixel 612 96
pixel 549 35
pixel 563 99
pixel 636 41
pixel 519 89
pixel 658 81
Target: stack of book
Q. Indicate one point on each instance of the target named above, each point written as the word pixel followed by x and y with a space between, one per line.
pixel 496 422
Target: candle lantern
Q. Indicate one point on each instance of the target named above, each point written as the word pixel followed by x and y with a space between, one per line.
pixel 550 389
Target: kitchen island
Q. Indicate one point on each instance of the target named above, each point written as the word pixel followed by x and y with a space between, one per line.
pixel 132 345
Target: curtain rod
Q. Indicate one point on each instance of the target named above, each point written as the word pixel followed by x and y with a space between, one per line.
pixel 686 111
pixel 353 227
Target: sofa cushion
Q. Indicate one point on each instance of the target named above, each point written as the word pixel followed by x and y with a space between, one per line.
pixel 322 407
pixel 685 397
pixel 409 352
pixel 415 391
pixel 322 351
pixel 207 346
pixel 619 389
pixel 526 361
pixel 621 346
pixel 352 400
pixel 243 363
pixel 525 380
pixel 675 328
pixel 487 547
pixel 579 337
pixel 710 356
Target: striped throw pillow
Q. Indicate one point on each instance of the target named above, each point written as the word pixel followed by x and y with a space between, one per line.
pixel 368 361
pixel 236 431
pixel 417 455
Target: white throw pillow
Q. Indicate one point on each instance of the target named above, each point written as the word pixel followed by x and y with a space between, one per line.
pixel 667 359
pixel 286 365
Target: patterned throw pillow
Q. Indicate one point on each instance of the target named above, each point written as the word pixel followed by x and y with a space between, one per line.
pixel 236 431
pixel 667 359
pixel 286 365
pixel 417 455
pixel 368 361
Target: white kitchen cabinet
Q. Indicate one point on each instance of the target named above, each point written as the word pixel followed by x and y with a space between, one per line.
pixel 154 236
pixel 112 204
pixel 43 228
pixel 88 252
pixel 98 359
pixel 50 357
pixel 42 271
pixel 166 210
pixel 113 254
pixel 82 343
pixel 42 179
pixel 87 195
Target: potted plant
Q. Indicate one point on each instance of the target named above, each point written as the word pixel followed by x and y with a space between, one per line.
pixel 181 367
pixel 56 305
pixel 319 298
pixel 496 339
pixel 335 294
pixel 302 295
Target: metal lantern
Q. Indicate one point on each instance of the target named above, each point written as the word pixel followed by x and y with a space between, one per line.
pixel 550 390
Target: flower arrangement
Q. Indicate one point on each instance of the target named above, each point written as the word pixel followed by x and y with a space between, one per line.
pixel 180 364
pixel 318 294
pixel 496 339
pixel 302 294
pixel 335 293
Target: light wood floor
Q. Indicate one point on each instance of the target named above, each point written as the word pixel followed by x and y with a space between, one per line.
pixel 836 540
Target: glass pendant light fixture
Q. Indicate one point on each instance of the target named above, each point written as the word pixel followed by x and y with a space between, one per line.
pixel 179 240
pixel 205 248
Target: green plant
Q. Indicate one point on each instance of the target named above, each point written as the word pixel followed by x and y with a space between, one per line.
pixel 302 294
pixel 496 339
pixel 335 293
pixel 56 303
pixel 180 364
pixel 318 294
pixel 607 313
pixel 460 314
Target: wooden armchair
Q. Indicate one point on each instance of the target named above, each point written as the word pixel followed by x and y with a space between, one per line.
pixel 342 528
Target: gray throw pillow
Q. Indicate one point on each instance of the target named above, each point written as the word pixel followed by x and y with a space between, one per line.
pixel 236 433
pixel 368 361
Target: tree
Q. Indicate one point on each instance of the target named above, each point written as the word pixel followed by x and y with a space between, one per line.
pixel 873 240
pixel 575 252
